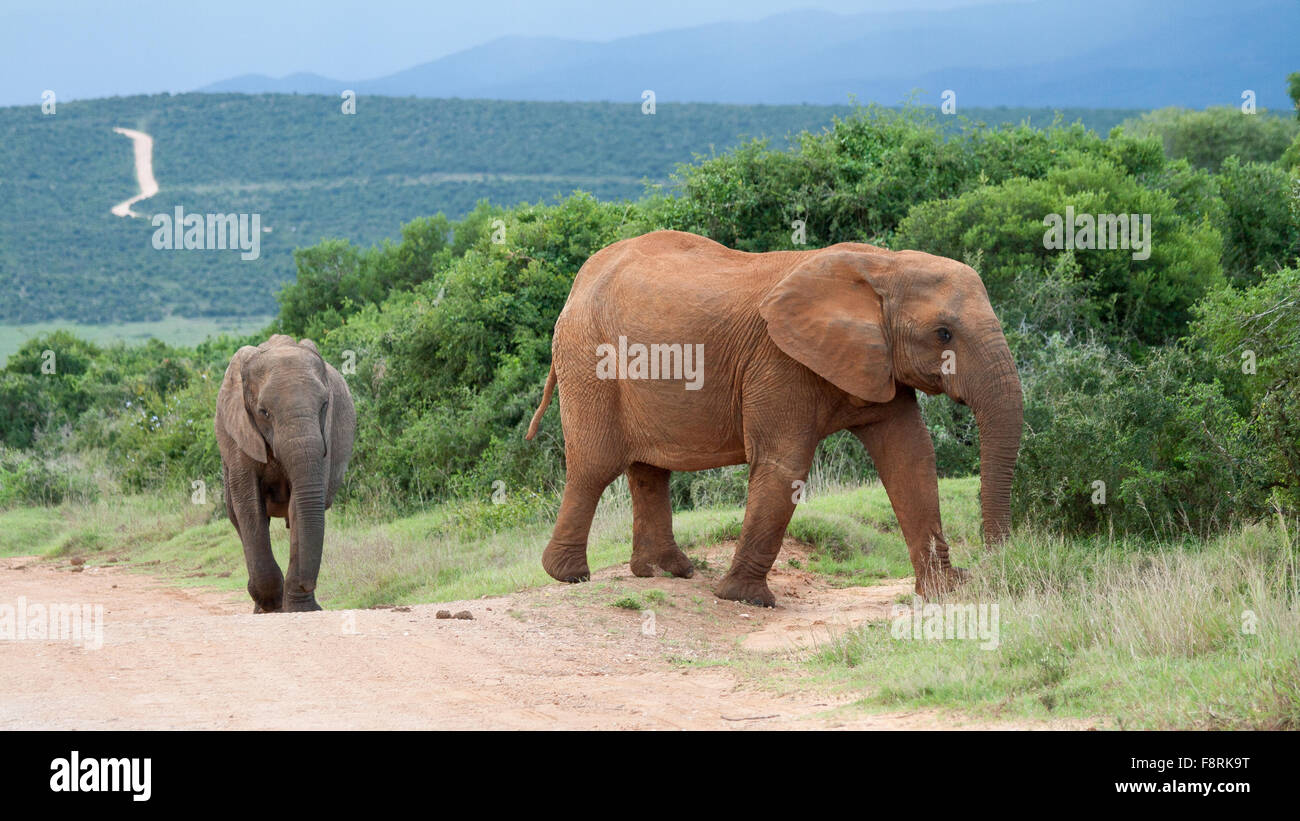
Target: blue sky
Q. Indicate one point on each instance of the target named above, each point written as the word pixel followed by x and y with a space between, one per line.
pixel 81 48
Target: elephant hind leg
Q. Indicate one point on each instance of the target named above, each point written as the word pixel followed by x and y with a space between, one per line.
pixel 565 557
pixel 652 524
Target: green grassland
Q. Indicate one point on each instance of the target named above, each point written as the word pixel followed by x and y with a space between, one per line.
pixel 174 330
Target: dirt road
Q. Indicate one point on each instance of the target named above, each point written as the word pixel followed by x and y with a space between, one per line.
pixel 558 657
pixel 142 145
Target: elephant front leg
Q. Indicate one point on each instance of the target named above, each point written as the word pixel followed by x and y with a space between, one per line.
pixel 265 581
pixel 771 503
pixel 903 453
pixel 652 524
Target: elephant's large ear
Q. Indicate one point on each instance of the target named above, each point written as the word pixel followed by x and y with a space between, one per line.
pixel 232 410
pixel 826 315
pixel 340 416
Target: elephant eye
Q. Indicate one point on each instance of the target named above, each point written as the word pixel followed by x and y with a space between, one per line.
pixel 264 413
pixel 944 335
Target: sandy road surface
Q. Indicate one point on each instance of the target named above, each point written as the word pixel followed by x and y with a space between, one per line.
pixel 142 144
pixel 553 658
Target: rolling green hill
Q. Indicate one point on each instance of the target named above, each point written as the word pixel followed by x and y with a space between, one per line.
pixel 312 172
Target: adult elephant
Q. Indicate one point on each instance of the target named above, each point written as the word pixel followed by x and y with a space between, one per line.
pixel 284 425
pixel 796 345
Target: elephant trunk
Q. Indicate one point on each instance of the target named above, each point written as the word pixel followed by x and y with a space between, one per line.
pixel 998 405
pixel 308 470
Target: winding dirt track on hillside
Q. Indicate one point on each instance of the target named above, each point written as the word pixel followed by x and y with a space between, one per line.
pixel 558 657
pixel 142 145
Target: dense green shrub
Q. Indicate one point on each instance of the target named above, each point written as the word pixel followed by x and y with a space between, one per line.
pixel 1195 190
pixel 1173 452
pixel 1259 229
pixel 28 479
pixel 1188 438
pixel 42 387
pixel 1207 138
pixel 335 278
pixel 1291 157
pixel 996 155
pixel 54 380
pixel 1254 336
pixel 719 487
pixel 1144 299
pixel 166 440
pixel 852 182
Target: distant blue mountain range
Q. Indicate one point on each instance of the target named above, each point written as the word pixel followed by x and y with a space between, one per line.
pixel 1096 54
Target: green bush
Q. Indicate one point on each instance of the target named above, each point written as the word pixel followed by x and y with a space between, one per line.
pixel 1258 329
pixel 335 278
pixel 43 387
pixel 473 519
pixel 1144 299
pixel 166 440
pixel 852 182
pixel 27 479
pixel 720 487
pixel 1195 190
pixel 1259 229
pixel 1207 138
pixel 1172 447
pixel 1290 159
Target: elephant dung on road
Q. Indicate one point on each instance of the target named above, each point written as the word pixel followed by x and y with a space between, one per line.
pixel 789 347
pixel 284 425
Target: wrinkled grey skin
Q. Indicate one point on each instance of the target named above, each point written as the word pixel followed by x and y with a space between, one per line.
pixel 284 423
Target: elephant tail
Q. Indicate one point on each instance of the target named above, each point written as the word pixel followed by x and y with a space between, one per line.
pixel 546 401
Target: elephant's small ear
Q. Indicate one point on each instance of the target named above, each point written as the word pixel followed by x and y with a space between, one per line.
pixel 232 410
pixel 826 315
pixel 307 343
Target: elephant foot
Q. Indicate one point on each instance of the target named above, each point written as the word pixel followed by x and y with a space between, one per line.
pixel 301 604
pixel 671 560
pixel 267 595
pixel 748 590
pixel 936 583
pixel 566 563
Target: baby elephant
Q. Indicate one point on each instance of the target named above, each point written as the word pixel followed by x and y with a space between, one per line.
pixel 284 425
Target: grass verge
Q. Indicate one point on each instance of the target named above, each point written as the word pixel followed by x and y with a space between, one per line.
pixel 1201 635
